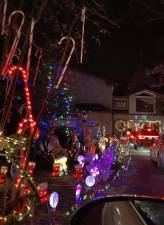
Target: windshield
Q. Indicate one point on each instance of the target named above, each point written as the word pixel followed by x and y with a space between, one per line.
pixel 81 107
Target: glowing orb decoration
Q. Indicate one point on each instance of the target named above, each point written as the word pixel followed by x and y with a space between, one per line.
pixel 94 171
pixel 80 159
pixel 54 199
pixel 78 191
pixel 90 181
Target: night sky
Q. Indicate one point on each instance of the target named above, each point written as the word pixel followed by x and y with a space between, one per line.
pixel 125 49
pixel 117 54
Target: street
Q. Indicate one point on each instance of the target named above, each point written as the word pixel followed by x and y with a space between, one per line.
pixel 143 176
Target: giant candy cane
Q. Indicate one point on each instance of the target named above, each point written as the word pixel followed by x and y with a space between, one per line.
pixel 30 45
pixel 29 121
pixel 4 17
pixel 15 42
pixel 83 18
pixel 68 59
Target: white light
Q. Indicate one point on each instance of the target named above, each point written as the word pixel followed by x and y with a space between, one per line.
pixel 95 157
pixel 94 171
pixel 80 159
pixel 90 181
pixel 54 199
pixel 63 162
pixel 78 191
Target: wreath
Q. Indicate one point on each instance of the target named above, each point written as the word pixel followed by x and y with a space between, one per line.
pixel 120 125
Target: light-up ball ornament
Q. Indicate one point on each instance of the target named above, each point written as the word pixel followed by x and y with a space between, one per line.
pixel 90 181
pixel 54 199
pixel 80 159
pixel 94 171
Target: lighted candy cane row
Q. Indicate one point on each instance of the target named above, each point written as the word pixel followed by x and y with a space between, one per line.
pixel 29 118
pixel 15 42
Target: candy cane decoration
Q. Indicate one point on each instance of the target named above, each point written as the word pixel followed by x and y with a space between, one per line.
pixel 69 57
pixel 15 42
pixel 4 17
pixel 29 121
pixel 83 16
pixel 30 45
pixel 39 54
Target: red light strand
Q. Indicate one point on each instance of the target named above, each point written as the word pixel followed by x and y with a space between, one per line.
pixel 29 120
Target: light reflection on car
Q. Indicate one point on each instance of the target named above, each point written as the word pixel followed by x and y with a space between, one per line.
pixel 157 152
pixel 121 210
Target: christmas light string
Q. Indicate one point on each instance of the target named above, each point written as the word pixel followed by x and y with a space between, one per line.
pixel 67 100
pixel 19 210
pixel 29 121
pixel 25 193
pixel 95 184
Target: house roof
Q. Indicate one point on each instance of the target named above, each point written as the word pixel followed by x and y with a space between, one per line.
pixel 92 107
pixel 144 90
pixel 137 91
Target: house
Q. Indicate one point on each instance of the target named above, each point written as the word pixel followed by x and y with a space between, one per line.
pixel 135 109
pixel 92 96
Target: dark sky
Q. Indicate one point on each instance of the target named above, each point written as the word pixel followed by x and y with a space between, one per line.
pixel 134 42
pixel 128 46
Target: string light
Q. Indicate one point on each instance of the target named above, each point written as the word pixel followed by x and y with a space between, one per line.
pixel 29 120
pixel 95 184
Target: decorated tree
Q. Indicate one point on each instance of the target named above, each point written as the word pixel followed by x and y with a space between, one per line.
pixel 60 100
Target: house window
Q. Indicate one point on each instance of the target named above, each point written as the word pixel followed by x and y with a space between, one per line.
pixel 120 104
pixel 145 105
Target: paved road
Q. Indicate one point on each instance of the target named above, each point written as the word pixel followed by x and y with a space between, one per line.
pixel 143 176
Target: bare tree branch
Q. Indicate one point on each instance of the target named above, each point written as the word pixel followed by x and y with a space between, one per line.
pixel 99 14
pixel 154 19
pixel 104 18
pixel 151 9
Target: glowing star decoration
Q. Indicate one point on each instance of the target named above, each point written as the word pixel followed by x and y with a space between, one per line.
pixel 78 191
pixel 54 199
pixel 90 181
pixel 94 171
pixel 81 159
pixel 29 120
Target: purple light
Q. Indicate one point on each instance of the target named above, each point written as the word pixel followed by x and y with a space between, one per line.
pixel 95 157
pixel 94 171
pixel 54 199
pixel 90 181
pixel 101 168
pixel 78 191
pixel 81 159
